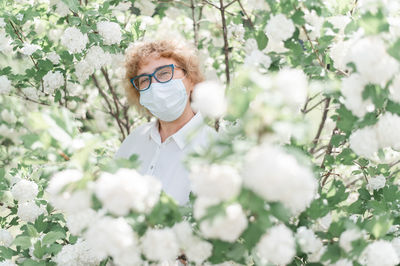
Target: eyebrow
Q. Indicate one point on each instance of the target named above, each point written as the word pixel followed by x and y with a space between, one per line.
pixel 154 69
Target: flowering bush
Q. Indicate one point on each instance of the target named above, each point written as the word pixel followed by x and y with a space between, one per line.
pixel 305 96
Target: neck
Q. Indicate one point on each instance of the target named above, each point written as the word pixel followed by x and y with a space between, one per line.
pixel 167 129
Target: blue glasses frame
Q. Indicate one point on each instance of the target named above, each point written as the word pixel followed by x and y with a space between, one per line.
pixel 153 75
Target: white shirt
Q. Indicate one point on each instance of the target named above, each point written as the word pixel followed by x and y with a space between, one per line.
pixel 165 160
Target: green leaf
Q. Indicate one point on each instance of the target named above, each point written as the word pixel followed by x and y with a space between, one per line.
pixel 38 251
pixel 52 237
pixel 22 241
pixel 72 4
pixel 57 97
pixel 6 252
pixel 298 17
pixel 262 40
pixel 379 226
pixel 30 262
pixel 394 50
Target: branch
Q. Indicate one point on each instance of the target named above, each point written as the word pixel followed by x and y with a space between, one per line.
pixel 227 5
pixel 245 13
pixel 309 100
pixel 321 125
pixel 110 110
pixel 312 47
pixel 194 23
pixel 226 46
pixel 328 152
pixel 311 108
pixel 8 207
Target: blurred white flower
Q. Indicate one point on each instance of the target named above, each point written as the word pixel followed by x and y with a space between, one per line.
pixel 227 227
pixel 54 57
pixel 31 93
pixel 63 197
pixel 347 237
pixel 110 31
pixel 373 63
pixel 52 81
pixel 78 254
pixel 74 40
pixel 5 85
pixel 236 31
pixel 387 130
pixel 396 245
pixel 377 182
pixel 29 49
pixel 339 22
pixel 24 190
pixel 277 246
pixel 160 244
pixel 78 221
pixel 308 241
pixel 364 142
pixel 109 236
pixel 277 176
pixel 28 211
pixel 146 7
pixel 257 58
pixel 126 190
pixel 8 116
pixel 60 7
pixel 193 247
pixel 6 238
pixel 215 181
pixel 352 89
pixel 338 52
pixel 379 253
pixel 209 98
pixel 279 28
pixel 314 24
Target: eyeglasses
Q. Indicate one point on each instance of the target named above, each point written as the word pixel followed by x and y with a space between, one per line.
pixel 162 74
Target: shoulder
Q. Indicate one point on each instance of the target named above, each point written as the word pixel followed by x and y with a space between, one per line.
pixel 138 135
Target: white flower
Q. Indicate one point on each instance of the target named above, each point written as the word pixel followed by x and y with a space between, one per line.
pixel 52 81
pixel 146 7
pixel 96 57
pixel 2 23
pixel 227 227
pixel 279 28
pixel 63 197
pixel 215 181
pixel 292 85
pixel 193 247
pixel 339 22
pixel 250 45
pixel 314 24
pixel 5 237
pixel 347 237
pixel 277 246
pixel 372 61
pixel 5 42
pixel 19 16
pixel 277 176
pixel 28 211
pixel 256 58
pixel 54 57
pixel 307 240
pixel 379 253
pixel 202 204
pixel 110 31
pixel 31 93
pixel 364 142
pixel 387 130
pixel 83 70
pixel 8 116
pixel 209 98
pixel 236 31
pixel 78 221
pixel 375 183
pixel 338 52
pixel 74 40
pixel 111 237
pixel 323 223
pixel 7 263
pixel 5 85
pixel 160 244
pixel 352 89
pixel 24 190
pixel 29 49
pixel 343 262
pixel 396 245
pixel 78 254
pixel 61 8
pixel 394 89
pixel 126 190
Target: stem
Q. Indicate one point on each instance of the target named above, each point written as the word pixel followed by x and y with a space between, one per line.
pixel 311 108
pixel 245 13
pixel 312 47
pixel 226 46
pixel 321 125
pixel 196 41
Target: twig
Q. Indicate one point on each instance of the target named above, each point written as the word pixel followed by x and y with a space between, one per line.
pixel 196 42
pixel 245 13
pixel 227 5
pixel 312 47
pixel 226 46
pixel 314 106
pixel 328 152
pixel 321 125
pixel 66 157
pixel 8 207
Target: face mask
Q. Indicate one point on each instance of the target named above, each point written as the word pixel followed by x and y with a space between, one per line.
pixel 167 101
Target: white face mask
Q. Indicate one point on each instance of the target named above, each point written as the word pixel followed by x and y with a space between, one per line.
pixel 167 101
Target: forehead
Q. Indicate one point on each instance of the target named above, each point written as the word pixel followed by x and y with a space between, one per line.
pixel 149 64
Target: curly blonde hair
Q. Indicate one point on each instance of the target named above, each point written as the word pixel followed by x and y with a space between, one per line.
pixel 181 52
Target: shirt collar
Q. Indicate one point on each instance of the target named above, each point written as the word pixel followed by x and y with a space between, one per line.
pixel 184 134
